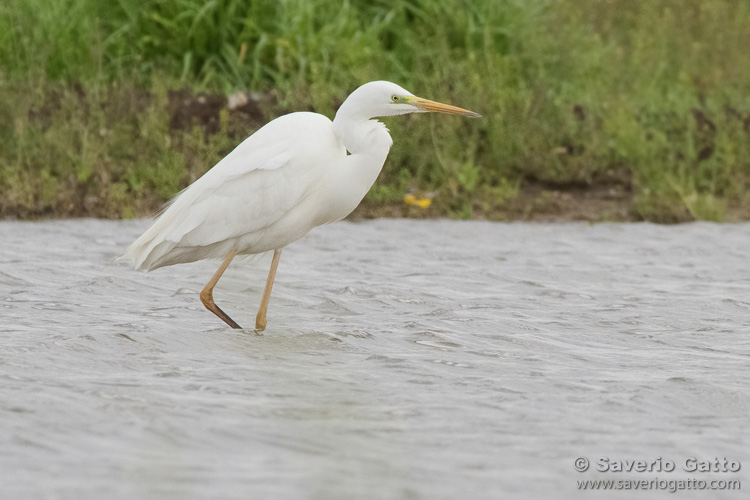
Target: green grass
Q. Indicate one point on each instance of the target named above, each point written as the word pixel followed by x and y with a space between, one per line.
pixel 574 92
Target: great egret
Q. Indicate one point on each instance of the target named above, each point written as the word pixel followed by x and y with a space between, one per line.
pixel 297 172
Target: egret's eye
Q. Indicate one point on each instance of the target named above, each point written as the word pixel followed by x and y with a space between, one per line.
pixel 395 98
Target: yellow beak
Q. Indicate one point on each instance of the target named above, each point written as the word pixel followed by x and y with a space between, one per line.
pixel 426 105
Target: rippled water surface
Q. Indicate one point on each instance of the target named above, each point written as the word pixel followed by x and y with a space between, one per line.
pixel 403 359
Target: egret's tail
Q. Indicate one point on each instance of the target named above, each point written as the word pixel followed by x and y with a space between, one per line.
pixel 147 251
pixel 151 249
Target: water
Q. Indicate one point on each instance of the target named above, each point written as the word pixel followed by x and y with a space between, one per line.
pixel 403 359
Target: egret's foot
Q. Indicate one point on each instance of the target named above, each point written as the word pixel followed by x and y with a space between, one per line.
pixel 229 321
pixel 208 301
pixel 207 294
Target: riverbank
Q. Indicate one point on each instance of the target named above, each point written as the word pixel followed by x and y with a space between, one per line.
pixel 123 152
pixel 592 110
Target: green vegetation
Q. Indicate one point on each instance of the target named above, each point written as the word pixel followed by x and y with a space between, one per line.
pixel 647 103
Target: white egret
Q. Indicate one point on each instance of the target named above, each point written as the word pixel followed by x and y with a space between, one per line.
pixel 297 172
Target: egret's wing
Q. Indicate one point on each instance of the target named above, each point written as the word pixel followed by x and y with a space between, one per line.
pixel 265 177
pixel 242 194
pixel 238 196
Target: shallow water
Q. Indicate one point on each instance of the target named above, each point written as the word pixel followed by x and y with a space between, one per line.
pixel 403 359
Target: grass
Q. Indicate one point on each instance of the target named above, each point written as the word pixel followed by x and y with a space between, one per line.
pixel 653 97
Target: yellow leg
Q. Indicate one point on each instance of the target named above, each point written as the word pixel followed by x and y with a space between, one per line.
pixel 260 319
pixel 207 296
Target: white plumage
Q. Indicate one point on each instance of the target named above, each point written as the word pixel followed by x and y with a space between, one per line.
pixel 247 196
pixel 297 172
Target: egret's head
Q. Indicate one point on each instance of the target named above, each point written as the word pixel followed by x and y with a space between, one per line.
pixel 375 99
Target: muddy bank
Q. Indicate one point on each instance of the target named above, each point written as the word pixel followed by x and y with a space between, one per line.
pixel 151 146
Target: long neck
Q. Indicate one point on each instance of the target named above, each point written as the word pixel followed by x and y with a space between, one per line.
pixel 360 134
pixel 368 141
